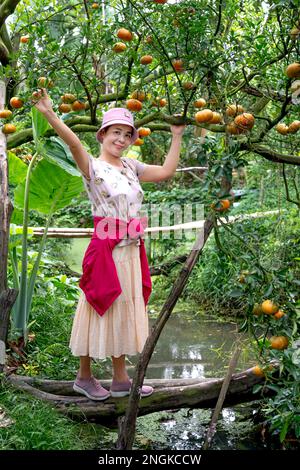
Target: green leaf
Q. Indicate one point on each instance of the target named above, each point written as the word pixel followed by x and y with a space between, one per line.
pixel 39 124
pixel 15 235
pixel 51 188
pixel 57 152
pixel 269 291
pixel 17 169
pixel 295 328
pixel 236 293
pixel 275 388
pixel 244 326
pixel 17 216
pixel 218 171
pixel 257 388
pixel 284 431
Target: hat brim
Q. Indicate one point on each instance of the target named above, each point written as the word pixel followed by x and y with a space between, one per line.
pixel 117 121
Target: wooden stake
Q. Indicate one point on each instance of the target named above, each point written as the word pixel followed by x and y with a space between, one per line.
pixel 213 424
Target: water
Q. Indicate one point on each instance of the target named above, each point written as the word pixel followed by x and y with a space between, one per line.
pixel 193 346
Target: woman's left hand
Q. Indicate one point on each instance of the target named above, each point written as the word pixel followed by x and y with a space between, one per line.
pixel 178 130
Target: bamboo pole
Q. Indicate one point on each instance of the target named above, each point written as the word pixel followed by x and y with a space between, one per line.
pixel 192 168
pixel 68 232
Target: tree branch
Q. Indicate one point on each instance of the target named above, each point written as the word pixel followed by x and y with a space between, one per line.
pixel 274 96
pixel 258 71
pixel 271 155
pixel 288 198
pixel 5 38
pixel 84 124
pixel 6 9
pixel 4 53
pixel 259 105
pixel 283 112
pixel 219 18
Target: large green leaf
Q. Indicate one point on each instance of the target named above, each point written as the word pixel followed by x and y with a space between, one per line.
pixel 56 151
pixel 39 124
pixel 17 216
pixel 17 169
pixel 51 188
pixel 15 235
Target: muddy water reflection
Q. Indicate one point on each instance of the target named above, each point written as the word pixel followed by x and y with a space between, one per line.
pixel 194 346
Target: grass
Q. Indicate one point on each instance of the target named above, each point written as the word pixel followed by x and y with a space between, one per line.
pixel 37 426
pixel 49 355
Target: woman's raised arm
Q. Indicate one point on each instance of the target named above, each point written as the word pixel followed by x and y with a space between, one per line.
pixel 155 173
pixel 80 155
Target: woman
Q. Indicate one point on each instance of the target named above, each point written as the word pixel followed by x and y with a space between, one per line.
pixel 113 186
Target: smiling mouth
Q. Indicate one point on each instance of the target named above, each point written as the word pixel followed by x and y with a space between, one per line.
pixel 119 146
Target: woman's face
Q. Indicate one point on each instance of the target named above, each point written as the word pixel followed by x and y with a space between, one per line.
pixel 116 139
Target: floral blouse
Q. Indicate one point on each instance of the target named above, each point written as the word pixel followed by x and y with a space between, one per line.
pixel 115 192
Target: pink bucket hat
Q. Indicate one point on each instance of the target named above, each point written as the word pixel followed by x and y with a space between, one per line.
pixel 117 116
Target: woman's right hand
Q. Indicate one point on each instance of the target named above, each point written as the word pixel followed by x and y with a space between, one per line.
pixel 42 101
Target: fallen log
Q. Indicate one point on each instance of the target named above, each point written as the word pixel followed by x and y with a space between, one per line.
pixel 168 395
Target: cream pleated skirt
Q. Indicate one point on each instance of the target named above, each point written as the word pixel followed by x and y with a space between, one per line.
pixel 124 327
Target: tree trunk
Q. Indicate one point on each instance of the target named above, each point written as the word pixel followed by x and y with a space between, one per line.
pixel 7 296
pixel 168 395
pixel 128 422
